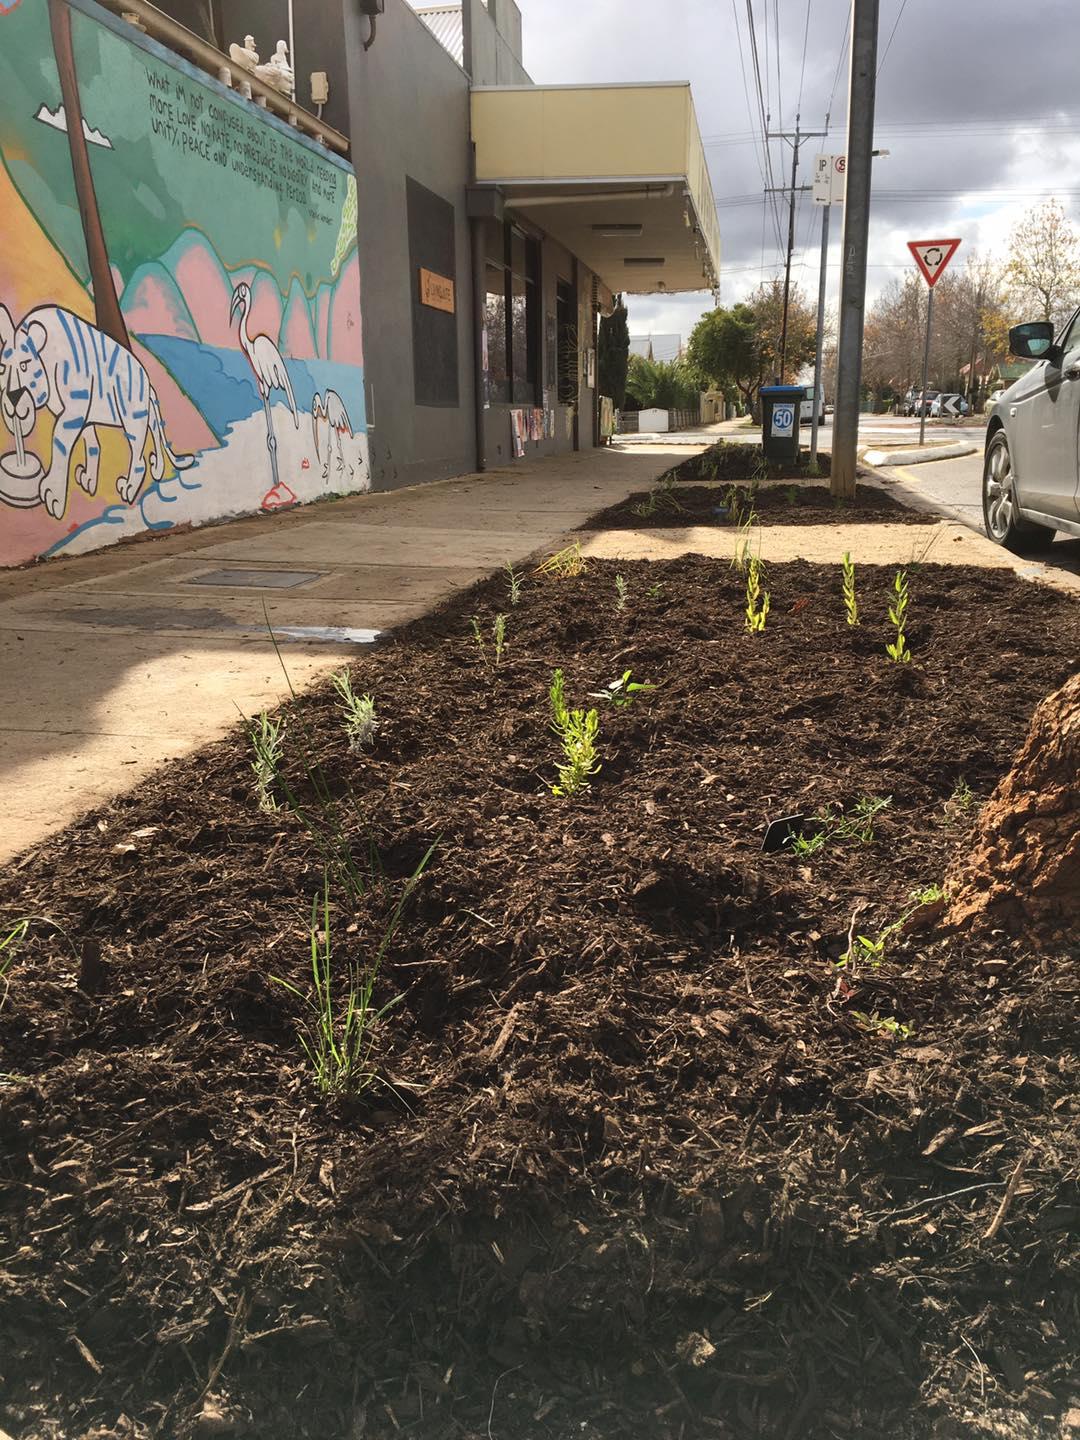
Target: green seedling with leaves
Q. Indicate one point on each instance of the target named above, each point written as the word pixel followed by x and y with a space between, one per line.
pixel 622 692
pixel 961 800
pixel 757 600
pixel 337 1036
pixel 498 635
pixel 928 894
pixel 577 731
pixel 897 650
pixel 268 744
pixel 513 583
pixel 564 563
pixel 361 722
pixel 851 604
pixel 883 1024
pixel 621 594
pixel 656 592
pixel 831 824
pixel 791 494
pixel 661 498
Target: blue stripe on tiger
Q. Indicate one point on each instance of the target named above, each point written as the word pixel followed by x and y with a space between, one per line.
pixel 139 414
pixel 79 394
pixel 78 423
pixel 70 336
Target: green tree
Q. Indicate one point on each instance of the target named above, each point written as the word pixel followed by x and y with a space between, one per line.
pixel 613 354
pixel 661 384
pixel 741 346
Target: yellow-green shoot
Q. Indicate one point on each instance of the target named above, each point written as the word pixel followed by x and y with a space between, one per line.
pixel 757 599
pixel 577 731
pixel 268 745
pixel 851 604
pixel 897 650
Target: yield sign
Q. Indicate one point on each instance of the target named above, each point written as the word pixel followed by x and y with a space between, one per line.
pixel 932 256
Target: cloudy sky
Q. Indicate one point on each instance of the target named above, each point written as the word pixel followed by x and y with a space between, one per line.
pixel 977 103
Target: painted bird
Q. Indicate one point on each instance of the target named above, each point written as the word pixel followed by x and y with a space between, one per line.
pixel 332 410
pixel 270 373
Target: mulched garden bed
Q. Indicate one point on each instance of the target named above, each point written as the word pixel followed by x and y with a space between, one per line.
pixel 732 460
pixel 642 1160
pixel 669 507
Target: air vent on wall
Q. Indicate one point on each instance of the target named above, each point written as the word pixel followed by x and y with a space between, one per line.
pixel 650 260
pixel 618 231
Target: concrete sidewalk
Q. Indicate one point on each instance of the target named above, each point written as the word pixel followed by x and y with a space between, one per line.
pixel 117 662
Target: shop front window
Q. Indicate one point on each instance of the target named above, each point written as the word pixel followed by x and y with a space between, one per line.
pixel 512 319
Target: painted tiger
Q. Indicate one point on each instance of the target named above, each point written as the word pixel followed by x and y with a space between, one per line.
pixel 55 361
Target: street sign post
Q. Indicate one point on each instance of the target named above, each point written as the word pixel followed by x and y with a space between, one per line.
pixel 931 256
pixel 830 179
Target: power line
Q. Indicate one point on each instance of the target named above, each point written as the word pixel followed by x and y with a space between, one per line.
pixel 892 34
pixel 805 42
pixel 839 65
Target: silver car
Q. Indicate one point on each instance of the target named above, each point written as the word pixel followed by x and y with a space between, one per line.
pixel 1031 471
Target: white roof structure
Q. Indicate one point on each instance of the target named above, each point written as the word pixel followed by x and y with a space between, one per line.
pixel 446 24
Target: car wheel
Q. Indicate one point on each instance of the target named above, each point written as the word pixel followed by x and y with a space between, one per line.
pixel 1001 515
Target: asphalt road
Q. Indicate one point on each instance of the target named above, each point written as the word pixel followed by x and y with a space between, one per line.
pixel 955 488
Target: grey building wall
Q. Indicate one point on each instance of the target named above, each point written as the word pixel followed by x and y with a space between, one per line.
pixel 409 118
pixel 493 43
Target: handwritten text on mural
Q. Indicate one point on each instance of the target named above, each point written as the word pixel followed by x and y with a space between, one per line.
pixel 222 134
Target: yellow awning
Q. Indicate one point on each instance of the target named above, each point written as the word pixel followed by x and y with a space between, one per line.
pixel 616 173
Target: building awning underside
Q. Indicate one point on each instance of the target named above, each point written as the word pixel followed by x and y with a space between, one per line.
pixel 616 174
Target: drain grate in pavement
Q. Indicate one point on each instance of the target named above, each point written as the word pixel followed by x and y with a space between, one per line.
pixel 257 579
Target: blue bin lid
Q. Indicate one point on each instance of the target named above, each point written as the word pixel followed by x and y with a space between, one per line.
pixel 786 390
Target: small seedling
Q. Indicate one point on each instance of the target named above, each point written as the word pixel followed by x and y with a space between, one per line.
pixel 622 692
pixel 498 634
pixel 806 846
pixel 791 494
pixel 961 800
pixel 513 583
pixel 621 592
pixel 883 1024
pixel 661 498
pixel 358 710
pixel 897 649
pixel 478 637
pixel 928 895
pixel 851 604
pixel 812 470
pixel 757 600
pixel 268 744
pixel 9 948
pixel 337 1038
pixel 564 563
pixel 859 824
pixel 741 557
pixel 577 730
pixel 655 592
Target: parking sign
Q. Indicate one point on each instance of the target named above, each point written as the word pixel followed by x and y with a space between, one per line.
pixel 783 420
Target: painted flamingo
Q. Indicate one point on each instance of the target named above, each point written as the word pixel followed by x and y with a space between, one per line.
pixel 270 373
pixel 332 410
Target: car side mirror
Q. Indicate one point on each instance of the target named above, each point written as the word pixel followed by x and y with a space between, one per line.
pixel 1034 341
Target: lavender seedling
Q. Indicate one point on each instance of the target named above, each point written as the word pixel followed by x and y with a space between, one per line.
pixel 267 743
pixel 757 600
pixel 577 730
pixel 358 710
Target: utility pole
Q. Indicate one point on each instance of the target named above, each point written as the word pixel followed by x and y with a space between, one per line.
pixel 820 331
pixel 796 140
pixel 861 96
pixel 926 363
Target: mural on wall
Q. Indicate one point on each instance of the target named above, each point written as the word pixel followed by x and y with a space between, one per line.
pixel 179 289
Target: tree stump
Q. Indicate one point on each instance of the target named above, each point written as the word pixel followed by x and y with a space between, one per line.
pixel 1022 872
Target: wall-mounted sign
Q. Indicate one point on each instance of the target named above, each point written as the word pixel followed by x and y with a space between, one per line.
pixel 436 291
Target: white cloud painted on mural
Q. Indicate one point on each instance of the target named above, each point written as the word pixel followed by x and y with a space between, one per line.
pixel 58 120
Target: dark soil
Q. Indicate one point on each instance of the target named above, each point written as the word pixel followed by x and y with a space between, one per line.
pixel 633 1165
pixel 730 505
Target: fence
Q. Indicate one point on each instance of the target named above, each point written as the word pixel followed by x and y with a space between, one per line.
pixel 677 420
